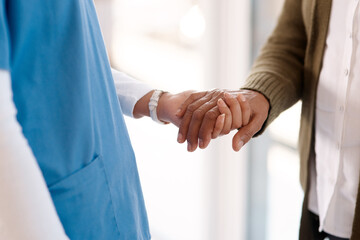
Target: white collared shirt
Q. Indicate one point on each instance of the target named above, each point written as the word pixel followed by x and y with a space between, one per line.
pixel 337 127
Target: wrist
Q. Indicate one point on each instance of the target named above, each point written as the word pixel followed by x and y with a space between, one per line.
pixel 264 100
pixel 141 108
pixel 161 110
pixel 154 106
pixel 257 97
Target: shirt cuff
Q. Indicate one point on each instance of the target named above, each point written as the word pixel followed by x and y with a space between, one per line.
pixel 129 91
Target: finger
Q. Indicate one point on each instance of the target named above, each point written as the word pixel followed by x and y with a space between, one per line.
pixel 187 118
pixel 246 133
pixel 208 125
pixel 223 108
pixel 197 120
pixel 245 109
pixel 219 125
pixel 235 108
pixel 204 141
pixel 192 98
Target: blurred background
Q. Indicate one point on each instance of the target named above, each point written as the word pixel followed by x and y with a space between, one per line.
pixel 212 194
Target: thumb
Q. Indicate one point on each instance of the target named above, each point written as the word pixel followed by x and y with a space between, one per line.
pixel 245 133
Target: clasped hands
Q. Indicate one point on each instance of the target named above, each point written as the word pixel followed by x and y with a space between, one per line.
pixel 202 116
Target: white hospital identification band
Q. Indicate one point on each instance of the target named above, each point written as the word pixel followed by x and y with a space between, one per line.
pixel 153 103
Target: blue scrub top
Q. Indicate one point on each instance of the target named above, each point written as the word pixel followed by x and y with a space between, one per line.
pixel 68 109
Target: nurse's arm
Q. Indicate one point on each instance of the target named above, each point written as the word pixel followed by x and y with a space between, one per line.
pixel 167 107
pixel 26 208
pixel 134 97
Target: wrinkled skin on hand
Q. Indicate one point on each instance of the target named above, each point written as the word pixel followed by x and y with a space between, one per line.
pixel 246 110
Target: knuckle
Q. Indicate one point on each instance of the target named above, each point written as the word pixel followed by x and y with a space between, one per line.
pixel 191 108
pixel 247 136
pixel 197 115
pixel 206 94
pixel 206 105
pixel 226 131
pixel 213 91
pixel 193 96
pixel 220 91
pixel 216 93
pixel 211 115
pixel 211 103
pixel 219 94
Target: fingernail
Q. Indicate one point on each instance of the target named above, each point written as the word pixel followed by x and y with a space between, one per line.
pixel 178 112
pixel 221 102
pixel 240 145
pixel 227 95
pixel 201 143
pixel 180 138
pixel 189 148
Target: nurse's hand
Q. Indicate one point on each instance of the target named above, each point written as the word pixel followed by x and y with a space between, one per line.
pixel 169 104
pixel 168 108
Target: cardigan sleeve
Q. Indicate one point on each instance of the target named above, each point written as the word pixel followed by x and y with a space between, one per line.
pixel 278 71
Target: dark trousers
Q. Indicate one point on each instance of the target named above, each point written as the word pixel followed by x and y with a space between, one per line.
pixel 309 229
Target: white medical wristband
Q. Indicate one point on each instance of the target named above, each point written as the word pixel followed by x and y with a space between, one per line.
pixel 153 103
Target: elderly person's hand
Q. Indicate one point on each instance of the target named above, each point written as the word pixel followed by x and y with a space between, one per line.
pixel 202 112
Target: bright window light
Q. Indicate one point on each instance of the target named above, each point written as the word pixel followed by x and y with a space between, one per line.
pixel 192 24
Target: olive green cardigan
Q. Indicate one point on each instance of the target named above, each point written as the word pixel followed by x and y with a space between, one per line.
pixel 287 70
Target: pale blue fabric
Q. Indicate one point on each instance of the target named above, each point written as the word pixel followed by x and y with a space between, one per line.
pixel 68 108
